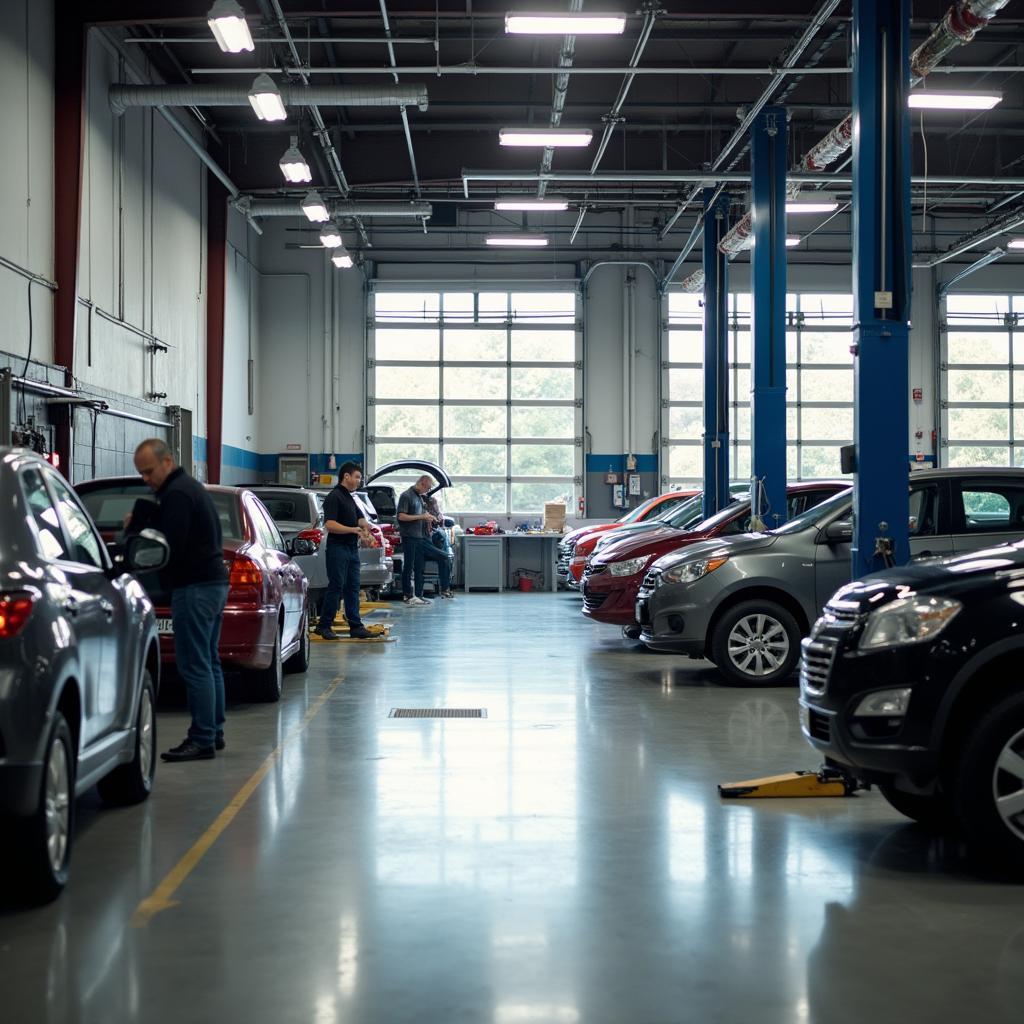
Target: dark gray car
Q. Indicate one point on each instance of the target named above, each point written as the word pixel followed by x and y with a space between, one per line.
pixel 745 602
pixel 79 668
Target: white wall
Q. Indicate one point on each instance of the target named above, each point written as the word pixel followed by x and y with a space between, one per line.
pixel 242 324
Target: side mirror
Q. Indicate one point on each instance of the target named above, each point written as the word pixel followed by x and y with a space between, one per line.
pixel 146 552
pixel 300 546
pixel 839 533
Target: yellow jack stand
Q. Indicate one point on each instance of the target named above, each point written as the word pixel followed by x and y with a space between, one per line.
pixel 826 781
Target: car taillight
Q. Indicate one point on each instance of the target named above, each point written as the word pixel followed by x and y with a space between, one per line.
pixel 245 582
pixel 314 533
pixel 15 611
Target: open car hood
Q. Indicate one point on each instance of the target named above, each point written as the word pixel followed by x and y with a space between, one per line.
pixel 420 465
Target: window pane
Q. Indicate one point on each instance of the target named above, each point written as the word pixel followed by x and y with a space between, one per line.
pixel 685 307
pixel 473 382
pixel 825 347
pixel 544 422
pixel 741 421
pixel 979 347
pixel 544 307
pixel 51 538
pixel 978 385
pixel 1018 425
pixel 741 383
pixel 407 306
pixel 791 347
pixel 827 308
pixel 475 497
pixel 393 452
pixel 988 507
pixel 982 456
pixel 475 459
pixel 543 384
pixel 1018 345
pixel 475 421
pixel 739 347
pixel 482 345
pixel 85 544
pixel 977 309
pixel 686 385
pixel 542 459
pixel 492 306
pixel 407 345
pixel 686 460
pixel 834 424
pixel 531 498
pixel 792 462
pixel 826 386
pixel 544 346
pixel 979 424
pixel 398 382
pixel 458 306
pixel 405 421
pixel 819 461
pixel 685 347
pixel 685 423
pixel 740 468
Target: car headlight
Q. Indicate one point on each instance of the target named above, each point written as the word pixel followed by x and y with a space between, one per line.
pixel 885 704
pixel 628 568
pixel 690 572
pixel 908 621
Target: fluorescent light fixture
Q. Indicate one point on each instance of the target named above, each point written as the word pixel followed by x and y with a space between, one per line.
pixel 792 241
pixel 555 205
pixel 293 164
pixel 341 259
pixel 266 100
pixel 928 99
pixel 801 204
pixel 1015 243
pixel 536 23
pixel 545 137
pixel 229 27
pixel 330 236
pixel 528 241
pixel 314 207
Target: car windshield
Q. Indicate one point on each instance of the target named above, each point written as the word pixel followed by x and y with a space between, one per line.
pixel 724 516
pixel 226 504
pixel 815 515
pixel 285 506
pixel 688 515
pixel 109 506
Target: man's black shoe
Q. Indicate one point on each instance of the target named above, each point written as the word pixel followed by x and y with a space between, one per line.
pixel 359 633
pixel 219 741
pixel 327 634
pixel 189 751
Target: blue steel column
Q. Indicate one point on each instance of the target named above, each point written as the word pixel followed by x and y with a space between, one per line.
pixel 768 354
pixel 716 355
pixel 881 281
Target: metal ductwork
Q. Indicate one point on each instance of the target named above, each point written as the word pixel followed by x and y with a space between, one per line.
pixel 274 208
pixel 122 97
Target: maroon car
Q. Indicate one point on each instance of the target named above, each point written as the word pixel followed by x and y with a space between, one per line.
pixel 266 627
pixel 612 578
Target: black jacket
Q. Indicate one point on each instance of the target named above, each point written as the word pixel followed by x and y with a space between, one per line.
pixel 190 523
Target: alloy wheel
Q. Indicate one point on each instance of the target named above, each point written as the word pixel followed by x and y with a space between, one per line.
pixel 1008 784
pixel 58 805
pixel 758 645
pixel 146 736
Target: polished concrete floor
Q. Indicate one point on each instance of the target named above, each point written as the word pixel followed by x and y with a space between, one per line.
pixel 564 860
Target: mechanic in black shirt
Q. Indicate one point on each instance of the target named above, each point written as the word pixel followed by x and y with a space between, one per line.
pixel 198 585
pixel 345 525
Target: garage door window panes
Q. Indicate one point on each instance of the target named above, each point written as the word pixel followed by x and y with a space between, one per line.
pixel 983 380
pixel 819 386
pixel 487 382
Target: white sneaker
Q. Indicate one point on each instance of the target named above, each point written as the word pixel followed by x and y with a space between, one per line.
pixel 419 601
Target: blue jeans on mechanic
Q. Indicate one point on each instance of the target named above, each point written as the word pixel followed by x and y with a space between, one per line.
pixel 412 564
pixel 342 584
pixel 197 611
pixel 440 553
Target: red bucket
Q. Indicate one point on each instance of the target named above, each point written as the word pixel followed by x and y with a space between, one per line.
pixel 525 584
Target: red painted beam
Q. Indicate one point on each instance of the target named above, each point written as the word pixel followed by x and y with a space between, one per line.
pixel 216 273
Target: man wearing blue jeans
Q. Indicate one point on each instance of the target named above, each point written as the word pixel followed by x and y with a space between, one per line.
pixel 198 584
pixel 413 520
pixel 345 526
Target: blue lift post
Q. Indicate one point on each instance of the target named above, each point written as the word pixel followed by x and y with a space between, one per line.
pixel 716 355
pixel 881 282
pixel 768 355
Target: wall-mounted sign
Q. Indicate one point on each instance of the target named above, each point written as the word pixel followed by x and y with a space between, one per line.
pixel 293 447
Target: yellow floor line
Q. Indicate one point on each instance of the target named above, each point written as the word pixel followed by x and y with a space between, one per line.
pixel 160 898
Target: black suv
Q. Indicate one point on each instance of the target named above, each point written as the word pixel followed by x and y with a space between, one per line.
pixel 913 679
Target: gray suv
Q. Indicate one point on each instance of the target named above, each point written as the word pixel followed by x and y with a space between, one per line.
pixel 745 602
pixel 79 668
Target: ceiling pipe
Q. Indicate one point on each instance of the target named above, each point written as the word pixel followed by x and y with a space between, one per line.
pixel 124 97
pixel 979 238
pixel 566 57
pixel 273 208
pixel 990 257
pixel 404 115
pixel 476 70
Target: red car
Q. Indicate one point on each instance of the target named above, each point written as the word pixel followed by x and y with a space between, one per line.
pixel 266 626
pixel 613 576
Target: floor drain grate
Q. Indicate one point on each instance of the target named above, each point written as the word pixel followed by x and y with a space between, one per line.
pixel 438 713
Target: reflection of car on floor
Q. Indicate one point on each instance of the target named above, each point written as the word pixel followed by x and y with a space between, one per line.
pixel 79 668
pixel 912 680
pixel 265 626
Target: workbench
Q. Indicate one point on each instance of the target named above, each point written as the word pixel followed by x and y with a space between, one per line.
pixel 486 559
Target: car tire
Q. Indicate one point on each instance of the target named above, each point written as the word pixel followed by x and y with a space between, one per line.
pixel 756 643
pixel 933 812
pixel 299 661
pixel 268 683
pixel 989 786
pixel 42 845
pixel 132 783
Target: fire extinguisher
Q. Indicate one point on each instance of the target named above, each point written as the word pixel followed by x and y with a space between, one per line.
pixel 581 505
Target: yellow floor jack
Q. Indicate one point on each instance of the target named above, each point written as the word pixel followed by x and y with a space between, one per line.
pixel 828 780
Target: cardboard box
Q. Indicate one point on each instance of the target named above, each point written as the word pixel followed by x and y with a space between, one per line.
pixel 554 516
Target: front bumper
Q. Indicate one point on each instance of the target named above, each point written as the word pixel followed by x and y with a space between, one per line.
pixel 611 599
pixel 672 618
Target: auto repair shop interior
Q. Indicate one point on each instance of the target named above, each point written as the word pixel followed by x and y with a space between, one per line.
pixel 706 321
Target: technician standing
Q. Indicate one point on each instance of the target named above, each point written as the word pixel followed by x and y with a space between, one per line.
pixel 345 525
pixel 198 585
pixel 413 521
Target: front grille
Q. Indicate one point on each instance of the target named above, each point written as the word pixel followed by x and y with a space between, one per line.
pixel 819 726
pixel 594 569
pixel 650 581
pixel 842 614
pixel 816 663
pixel 593 601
